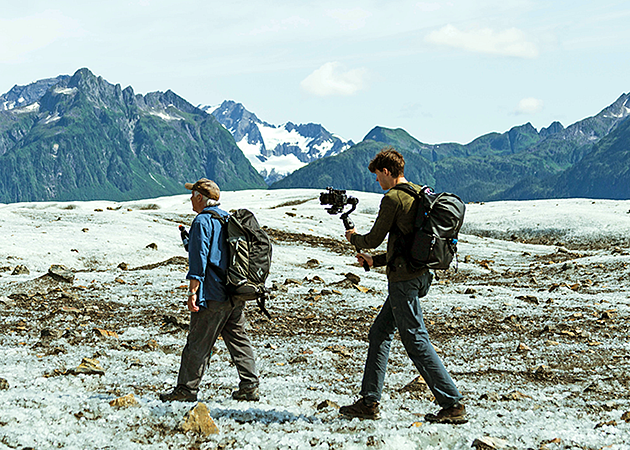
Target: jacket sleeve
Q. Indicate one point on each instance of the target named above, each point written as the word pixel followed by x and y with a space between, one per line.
pixel 198 249
pixel 382 225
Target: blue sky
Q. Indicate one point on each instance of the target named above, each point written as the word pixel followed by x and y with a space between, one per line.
pixel 445 71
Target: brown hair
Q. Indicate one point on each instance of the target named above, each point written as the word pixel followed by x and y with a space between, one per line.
pixel 388 158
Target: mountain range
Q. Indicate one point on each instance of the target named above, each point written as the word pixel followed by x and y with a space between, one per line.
pixel 276 150
pixel 80 137
pixel 590 158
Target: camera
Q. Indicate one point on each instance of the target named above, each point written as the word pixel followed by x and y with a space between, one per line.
pixel 338 199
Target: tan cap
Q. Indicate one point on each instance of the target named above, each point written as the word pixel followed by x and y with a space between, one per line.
pixel 205 187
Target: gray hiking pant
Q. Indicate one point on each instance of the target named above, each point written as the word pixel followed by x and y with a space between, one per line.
pixel 402 310
pixel 219 318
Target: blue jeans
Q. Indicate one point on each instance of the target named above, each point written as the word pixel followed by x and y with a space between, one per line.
pixel 402 310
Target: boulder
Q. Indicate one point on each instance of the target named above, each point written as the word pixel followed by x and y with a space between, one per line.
pixel 198 420
pixel 61 273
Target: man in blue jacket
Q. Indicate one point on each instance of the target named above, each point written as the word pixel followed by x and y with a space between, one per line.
pixel 213 313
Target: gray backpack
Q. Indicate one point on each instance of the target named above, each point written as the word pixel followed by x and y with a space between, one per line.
pixel 433 241
pixel 250 257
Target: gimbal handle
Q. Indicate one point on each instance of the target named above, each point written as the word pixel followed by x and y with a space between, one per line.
pixel 349 224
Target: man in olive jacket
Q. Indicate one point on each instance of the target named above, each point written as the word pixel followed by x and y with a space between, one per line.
pixel 402 308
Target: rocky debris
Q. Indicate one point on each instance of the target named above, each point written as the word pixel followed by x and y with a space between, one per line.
pixel 340 350
pixel 20 270
pixel 290 281
pixel 4 384
pixel 417 385
pixel 626 417
pixel 177 321
pixel 489 443
pixel 49 334
pixel 61 273
pixel 6 301
pixel 490 396
pixel 175 260
pixel 354 279
pixel 610 423
pixel 514 395
pixel 298 359
pixel 198 420
pixel 523 348
pixel 100 332
pixel 542 372
pixel 529 299
pixel 152 246
pixel 88 367
pixel 326 404
pixel 312 263
pixel 124 402
pixel 123 266
pixel 470 291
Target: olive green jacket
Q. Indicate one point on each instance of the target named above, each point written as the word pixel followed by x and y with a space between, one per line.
pixel 395 216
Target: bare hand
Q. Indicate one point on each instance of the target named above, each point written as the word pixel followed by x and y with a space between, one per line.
pixel 350 232
pixel 192 303
pixel 364 257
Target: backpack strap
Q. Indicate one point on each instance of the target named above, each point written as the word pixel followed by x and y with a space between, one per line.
pixel 401 244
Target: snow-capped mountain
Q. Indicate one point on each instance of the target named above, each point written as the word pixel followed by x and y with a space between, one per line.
pixel 20 96
pixel 276 150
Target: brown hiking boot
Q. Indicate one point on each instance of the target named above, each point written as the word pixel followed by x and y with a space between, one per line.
pixel 179 394
pixel 247 393
pixel 363 409
pixel 454 415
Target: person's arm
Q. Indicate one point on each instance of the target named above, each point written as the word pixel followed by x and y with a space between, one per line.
pixel 198 248
pixel 382 225
pixel 193 297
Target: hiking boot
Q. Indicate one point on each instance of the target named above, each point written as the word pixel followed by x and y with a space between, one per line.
pixel 247 393
pixel 455 415
pixel 362 408
pixel 179 394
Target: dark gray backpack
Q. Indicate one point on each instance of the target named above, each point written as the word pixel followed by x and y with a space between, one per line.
pixel 250 257
pixel 433 241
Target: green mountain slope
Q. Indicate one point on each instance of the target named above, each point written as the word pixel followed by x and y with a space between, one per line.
pixel 521 163
pixel 348 170
pixel 88 139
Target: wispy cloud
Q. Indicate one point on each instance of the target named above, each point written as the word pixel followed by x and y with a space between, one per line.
pixel 332 80
pixel 510 42
pixel 529 105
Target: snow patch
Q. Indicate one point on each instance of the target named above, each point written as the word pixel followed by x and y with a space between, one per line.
pixel 64 91
pixel 27 109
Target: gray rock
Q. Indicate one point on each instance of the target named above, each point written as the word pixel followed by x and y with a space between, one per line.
pixel 4 384
pixel 20 270
pixel 61 273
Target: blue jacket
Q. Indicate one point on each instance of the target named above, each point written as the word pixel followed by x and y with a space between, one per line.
pixel 208 256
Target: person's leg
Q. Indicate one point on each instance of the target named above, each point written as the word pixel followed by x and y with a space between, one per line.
pixel 406 309
pixel 205 327
pixel 380 337
pixel 240 347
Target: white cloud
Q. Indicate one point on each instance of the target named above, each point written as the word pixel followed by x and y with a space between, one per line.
pixel 330 79
pixel 510 42
pixel 352 19
pixel 27 34
pixel 529 105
